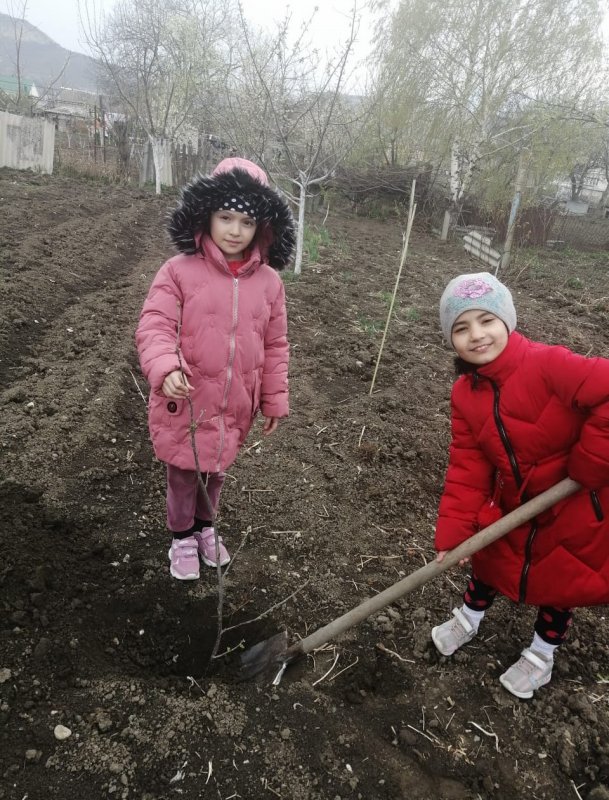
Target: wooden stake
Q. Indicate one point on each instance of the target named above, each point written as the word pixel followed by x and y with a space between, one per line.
pixel 411 212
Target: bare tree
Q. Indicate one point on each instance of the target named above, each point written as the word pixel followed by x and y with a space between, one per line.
pixel 160 57
pixel 286 107
pixel 17 10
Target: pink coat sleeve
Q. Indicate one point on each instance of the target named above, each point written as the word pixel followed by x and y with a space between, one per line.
pixel 157 331
pixel 583 384
pixel 274 393
pixel 467 487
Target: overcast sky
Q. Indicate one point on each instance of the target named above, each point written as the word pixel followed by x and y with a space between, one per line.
pixel 59 18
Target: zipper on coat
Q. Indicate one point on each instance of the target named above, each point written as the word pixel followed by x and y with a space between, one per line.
pixel 524 575
pixel 596 505
pixel 229 370
pixel 506 441
pixel 522 589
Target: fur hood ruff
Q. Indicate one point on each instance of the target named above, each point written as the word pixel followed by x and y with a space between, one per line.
pixel 205 194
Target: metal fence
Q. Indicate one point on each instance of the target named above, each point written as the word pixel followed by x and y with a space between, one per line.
pixel 582 233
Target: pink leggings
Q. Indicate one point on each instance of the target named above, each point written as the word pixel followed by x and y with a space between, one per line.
pixel 186 504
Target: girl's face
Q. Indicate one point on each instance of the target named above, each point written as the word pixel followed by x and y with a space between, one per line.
pixel 479 336
pixel 232 232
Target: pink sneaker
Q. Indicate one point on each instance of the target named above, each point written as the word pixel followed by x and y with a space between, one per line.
pixel 206 541
pixel 184 559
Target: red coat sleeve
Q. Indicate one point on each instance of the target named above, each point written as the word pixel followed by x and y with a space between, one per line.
pixel 583 384
pixel 468 485
pixel 157 331
pixel 274 393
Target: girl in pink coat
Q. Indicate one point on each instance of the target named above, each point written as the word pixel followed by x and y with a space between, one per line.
pixel 212 337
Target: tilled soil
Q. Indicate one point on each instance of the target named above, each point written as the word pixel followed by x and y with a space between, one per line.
pixel 94 634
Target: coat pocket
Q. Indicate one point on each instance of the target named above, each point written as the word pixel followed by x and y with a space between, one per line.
pixel 168 413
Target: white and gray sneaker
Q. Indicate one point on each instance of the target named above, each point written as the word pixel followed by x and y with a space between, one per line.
pixel 528 674
pixel 453 634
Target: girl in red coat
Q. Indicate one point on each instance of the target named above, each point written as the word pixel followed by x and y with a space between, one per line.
pixel 524 416
pixel 212 337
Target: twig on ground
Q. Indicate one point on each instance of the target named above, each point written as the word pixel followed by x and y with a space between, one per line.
pixel 245 452
pixel 325 675
pixel 380 646
pixel 344 669
pixel 251 492
pixel 416 730
pixel 193 682
pixel 576 789
pixel 490 734
pixel 383 558
pixel 361 436
pixel 138 388
pixel 274 533
pixel 378 527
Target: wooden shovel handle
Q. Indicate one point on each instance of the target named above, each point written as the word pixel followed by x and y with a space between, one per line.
pixel 519 516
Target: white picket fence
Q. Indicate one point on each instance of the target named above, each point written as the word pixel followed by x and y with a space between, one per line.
pixel 479 246
pixel 26 143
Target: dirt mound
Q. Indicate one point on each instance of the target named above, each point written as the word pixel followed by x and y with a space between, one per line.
pixel 96 637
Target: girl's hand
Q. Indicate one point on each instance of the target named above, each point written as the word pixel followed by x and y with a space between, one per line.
pixel 442 553
pixel 176 385
pixel 270 425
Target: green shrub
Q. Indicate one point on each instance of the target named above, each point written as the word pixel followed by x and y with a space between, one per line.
pixel 314 238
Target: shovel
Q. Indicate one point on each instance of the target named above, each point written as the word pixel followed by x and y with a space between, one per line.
pixel 274 653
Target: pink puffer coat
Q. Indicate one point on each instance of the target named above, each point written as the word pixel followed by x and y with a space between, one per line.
pixel 232 330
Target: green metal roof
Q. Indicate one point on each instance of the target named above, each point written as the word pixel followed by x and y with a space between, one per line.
pixel 10 85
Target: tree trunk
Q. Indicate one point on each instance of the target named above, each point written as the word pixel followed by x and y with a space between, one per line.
pixel 605 195
pixel 159 157
pixel 511 229
pixel 455 178
pixel 300 232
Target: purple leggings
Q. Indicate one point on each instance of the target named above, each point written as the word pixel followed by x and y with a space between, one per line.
pixel 186 504
pixel 552 624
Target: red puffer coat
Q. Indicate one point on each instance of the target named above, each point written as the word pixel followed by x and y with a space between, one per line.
pixel 520 424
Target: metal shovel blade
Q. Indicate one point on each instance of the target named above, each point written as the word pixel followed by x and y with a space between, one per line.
pixel 267 655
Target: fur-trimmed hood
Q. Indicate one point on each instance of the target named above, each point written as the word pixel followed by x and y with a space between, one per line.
pixel 206 193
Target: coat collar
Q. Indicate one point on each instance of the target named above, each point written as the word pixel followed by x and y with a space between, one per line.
pixel 213 254
pixel 509 360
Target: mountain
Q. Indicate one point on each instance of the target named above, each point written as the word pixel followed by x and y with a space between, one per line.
pixel 42 59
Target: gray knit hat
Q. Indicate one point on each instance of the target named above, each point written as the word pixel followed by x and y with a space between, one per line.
pixel 480 290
